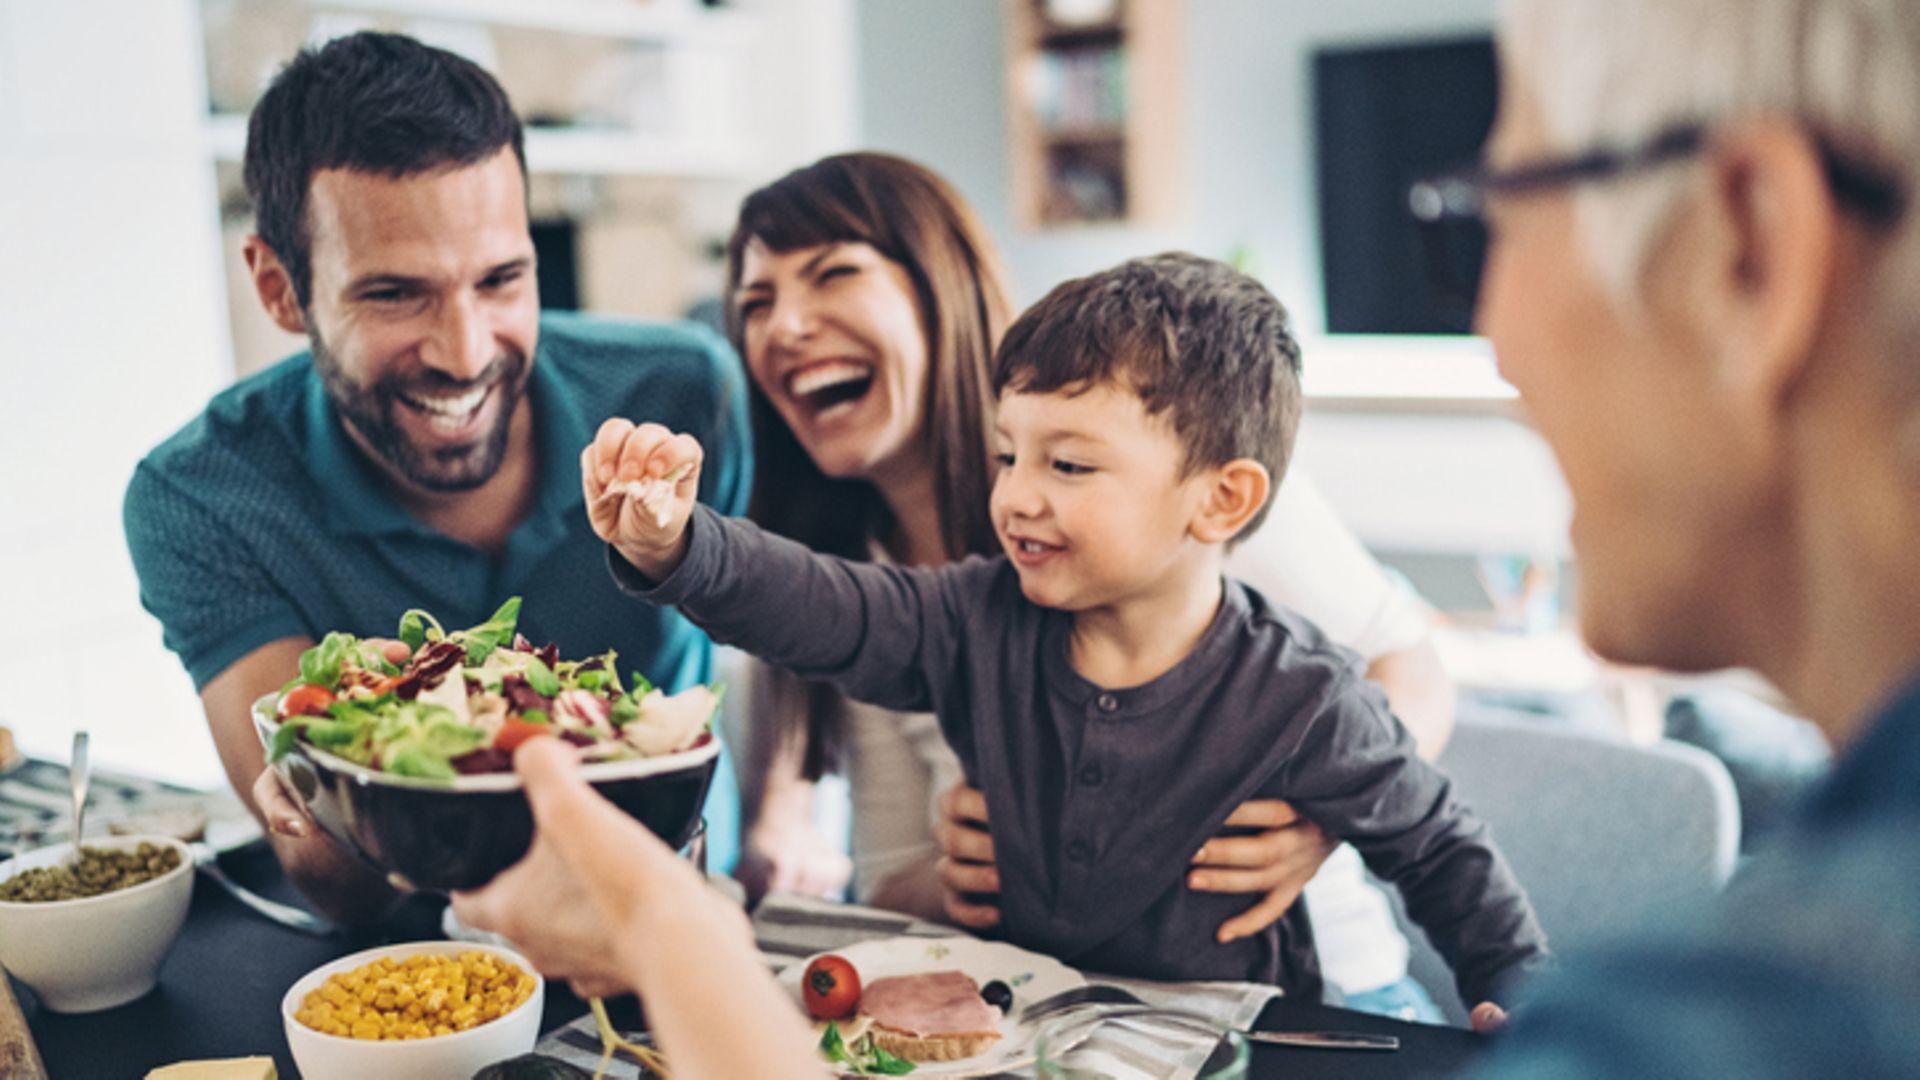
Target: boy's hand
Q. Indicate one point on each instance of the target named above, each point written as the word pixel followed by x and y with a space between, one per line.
pixel 1488 1018
pixel 639 484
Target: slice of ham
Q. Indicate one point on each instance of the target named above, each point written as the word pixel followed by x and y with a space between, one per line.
pixel 937 1003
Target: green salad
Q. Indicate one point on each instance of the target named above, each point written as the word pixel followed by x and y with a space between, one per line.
pixel 460 702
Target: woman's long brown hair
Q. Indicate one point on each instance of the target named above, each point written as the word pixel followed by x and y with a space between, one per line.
pixel 913 217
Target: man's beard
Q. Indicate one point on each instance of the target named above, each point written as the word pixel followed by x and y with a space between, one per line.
pixel 370 410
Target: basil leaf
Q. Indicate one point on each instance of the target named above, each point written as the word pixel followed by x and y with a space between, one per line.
pixel 889 1065
pixel 586 680
pixel 831 1045
pixel 641 687
pixel 541 678
pixel 535 716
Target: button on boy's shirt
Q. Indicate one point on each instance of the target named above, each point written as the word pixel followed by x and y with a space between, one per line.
pixel 1100 797
pixel 260 520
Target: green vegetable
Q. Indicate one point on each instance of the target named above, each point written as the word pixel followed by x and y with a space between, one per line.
pixel 321 664
pixel 541 678
pixel 331 734
pixel 283 739
pixel 535 716
pixel 625 711
pixel 641 687
pixel 493 633
pixel 867 1058
pixel 418 627
pixel 415 761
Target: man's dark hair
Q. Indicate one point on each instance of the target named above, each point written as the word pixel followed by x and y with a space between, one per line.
pixel 377 103
pixel 1189 336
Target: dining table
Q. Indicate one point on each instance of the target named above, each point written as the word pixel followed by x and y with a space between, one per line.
pixel 220 990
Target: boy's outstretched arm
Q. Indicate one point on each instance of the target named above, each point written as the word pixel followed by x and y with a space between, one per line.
pixel 640 482
pixel 891 636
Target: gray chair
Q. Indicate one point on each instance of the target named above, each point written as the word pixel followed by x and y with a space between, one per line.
pixel 1602 833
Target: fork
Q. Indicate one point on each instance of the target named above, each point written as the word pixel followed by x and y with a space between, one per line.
pixel 1130 1005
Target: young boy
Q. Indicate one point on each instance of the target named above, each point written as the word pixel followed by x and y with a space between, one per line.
pixel 1112 695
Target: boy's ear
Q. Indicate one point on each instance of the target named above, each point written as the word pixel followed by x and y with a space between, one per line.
pixel 1236 492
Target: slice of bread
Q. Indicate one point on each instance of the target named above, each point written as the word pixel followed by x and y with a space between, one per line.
pixel 922 1048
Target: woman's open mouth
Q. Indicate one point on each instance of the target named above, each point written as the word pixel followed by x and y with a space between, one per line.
pixel 830 388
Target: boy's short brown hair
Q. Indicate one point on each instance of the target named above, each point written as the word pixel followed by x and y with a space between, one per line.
pixel 1185 334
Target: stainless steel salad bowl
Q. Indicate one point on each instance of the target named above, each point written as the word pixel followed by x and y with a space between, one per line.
pixel 443 835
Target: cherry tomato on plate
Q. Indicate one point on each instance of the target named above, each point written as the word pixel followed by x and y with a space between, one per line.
pixel 305 700
pixel 514 732
pixel 830 988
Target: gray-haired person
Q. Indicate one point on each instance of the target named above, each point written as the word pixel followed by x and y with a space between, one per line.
pixel 1704 279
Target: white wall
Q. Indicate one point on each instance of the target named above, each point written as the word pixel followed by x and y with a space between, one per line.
pixel 933 88
pixel 113 336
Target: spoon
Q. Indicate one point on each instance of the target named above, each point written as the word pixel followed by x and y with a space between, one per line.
pixel 78 774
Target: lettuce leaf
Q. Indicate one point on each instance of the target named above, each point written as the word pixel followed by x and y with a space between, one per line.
pixel 541 678
pixel 418 627
pixel 320 665
pixel 497 631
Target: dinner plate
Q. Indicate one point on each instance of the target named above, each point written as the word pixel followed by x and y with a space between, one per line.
pixel 1031 976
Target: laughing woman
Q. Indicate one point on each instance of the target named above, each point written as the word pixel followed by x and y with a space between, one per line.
pixel 867 302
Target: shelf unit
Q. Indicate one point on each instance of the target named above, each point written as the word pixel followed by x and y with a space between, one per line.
pixel 560 151
pixel 661 21
pixel 701 147
pixel 1095 114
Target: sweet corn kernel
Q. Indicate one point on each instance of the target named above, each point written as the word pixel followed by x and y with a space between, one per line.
pixel 416 998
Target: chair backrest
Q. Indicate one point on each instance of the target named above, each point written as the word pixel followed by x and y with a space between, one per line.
pixel 1601 832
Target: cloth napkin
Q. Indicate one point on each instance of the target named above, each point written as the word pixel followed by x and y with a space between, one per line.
pixel 789 929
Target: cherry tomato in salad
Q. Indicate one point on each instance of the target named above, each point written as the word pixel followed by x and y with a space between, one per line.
pixel 514 732
pixel 305 700
pixel 830 988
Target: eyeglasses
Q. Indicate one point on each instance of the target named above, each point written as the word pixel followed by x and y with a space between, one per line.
pixel 1451 208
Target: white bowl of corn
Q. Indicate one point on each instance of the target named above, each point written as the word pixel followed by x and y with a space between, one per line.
pixel 426 1010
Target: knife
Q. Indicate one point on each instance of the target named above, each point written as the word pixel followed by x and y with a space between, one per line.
pixel 1326 1040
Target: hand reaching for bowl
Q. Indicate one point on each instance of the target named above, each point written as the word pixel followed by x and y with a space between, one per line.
pixel 639 482
pixel 601 902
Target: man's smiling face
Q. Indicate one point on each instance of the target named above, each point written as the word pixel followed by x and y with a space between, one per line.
pixel 424 314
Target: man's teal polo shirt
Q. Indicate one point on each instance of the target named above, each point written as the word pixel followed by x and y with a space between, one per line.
pixel 260 520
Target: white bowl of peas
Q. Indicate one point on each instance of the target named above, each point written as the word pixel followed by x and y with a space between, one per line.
pixel 91 934
pixel 426 1010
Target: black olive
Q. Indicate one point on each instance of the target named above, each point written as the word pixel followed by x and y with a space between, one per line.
pixel 998 994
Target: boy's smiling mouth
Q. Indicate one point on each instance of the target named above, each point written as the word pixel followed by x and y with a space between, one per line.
pixel 1028 552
